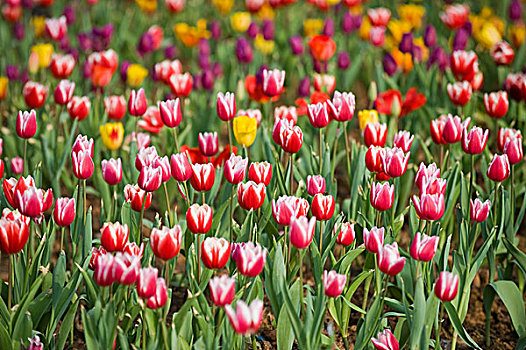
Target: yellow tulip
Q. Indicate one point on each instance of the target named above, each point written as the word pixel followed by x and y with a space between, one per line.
pixel 517 33
pixel 397 29
pixel 488 35
pixel 412 14
pixel 148 6
pixel 39 25
pixel 190 36
pixel 265 46
pixel 312 26
pixel 245 130
pixel 44 52
pixel 223 6
pixel 403 60
pixel 425 51
pixel 135 74
pixel 367 116
pixel 365 28
pixel 240 21
pixel 265 12
pixel 3 87
pixel 112 135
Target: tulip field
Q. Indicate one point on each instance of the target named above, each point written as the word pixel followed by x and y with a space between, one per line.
pixel 262 174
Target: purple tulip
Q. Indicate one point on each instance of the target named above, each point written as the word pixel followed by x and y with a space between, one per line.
pixel 344 60
pixel 244 51
pixel 460 40
pixel 406 44
pixel 515 10
pixel 19 31
pixel 304 87
pixel 438 56
pixel 320 67
pixel 170 52
pixel 204 47
pixel 347 23
pixel 217 69
pixel 12 72
pixel 328 28
pixel 215 29
pixel 252 30
pixel 85 42
pixel 296 45
pixel 389 64
pixel 69 13
pixel 124 70
pixel 268 30
pixel 430 36
pixel 207 79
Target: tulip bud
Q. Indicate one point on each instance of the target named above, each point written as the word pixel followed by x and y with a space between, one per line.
pixel 382 196
pixel 32 201
pixel 222 290
pixel 318 114
pixel 375 134
pixel 452 130
pixel 287 207
pixel 150 178
pixel 394 162
pixel 429 206
pixel 389 260
pixel 498 168
pixel 64 92
pixel 344 106
pixel 114 236
pixel 14 232
pixel 460 92
pixel 513 149
pixel 502 53
pixel 245 320
pixel 430 36
pixel 35 94
pixel 385 341
pixel 479 211
pixel 208 143
pixel 103 274
pixel 147 282
pixel 291 139
pixel 249 258
pixel 26 124
pixel 181 84
pixel 323 206
pixel 250 195
pixel 115 107
pixel 345 232
pixel 235 169
pixel 137 197
pixel 171 112
pixel 273 81
pixel 373 239
pixel 423 247
pixel 79 107
pixel 166 242
pixel 403 139
pixel 260 173
pixel 215 252
pixel 302 231
pixel 333 283
pixel 64 212
pixel 226 106
pixel 137 104
pixel 203 177
pixel 199 218
pixel 83 166
pixel 112 171
pixel 315 184
pixel 446 286
pixel 181 167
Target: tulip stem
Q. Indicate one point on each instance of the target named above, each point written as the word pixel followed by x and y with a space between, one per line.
pixel 472 177
pixel 61 238
pixel 229 135
pixel 291 159
pixel 198 259
pixel 84 194
pixel 495 203
pixel 168 205
pixel 144 328
pixel 141 218
pixel 349 152
pixel 320 150
pixel 186 195
pixel 24 166
pixel 175 140
pixel 301 280
pixel 513 197
pixel 231 212
pixel 9 281
pixel 167 274
pixel 321 237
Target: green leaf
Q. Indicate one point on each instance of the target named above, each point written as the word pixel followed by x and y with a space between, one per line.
pixel 284 332
pixel 512 298
pixel 67 325
pixel 419 313
pixel 453 317
pixel 59 277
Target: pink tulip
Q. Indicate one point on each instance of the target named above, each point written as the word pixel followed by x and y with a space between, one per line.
pixel 315 184
pixel 181 167
pixel 64 212
pixel 103 274
pixel 382 196
pixel 425 173
pixel 474 141
pixel 429 206
pixel 479 211
pixel 423 247
pixel 498 168
pixel 249 258
pixel 147 282
pixel 513 149
pixel 385 341
pixel 226 106
pixel 395 162
pixel 222 290
pixel 245 320
pixel 302 231
pixel 333 283
pixel 373 239
pixel 208 143
pixel 345 232
pixel 344 105
pixel 137 104
pixel 26 124
pixel 318 114
pixel 83 166
pixel 126 268
pixel 389 260
pixel 235 169
pixel 403 140
pixel 286 207
pixel 273 81
pixel 112 171
pixel 446 287
pixel 170 111
pixel 150 178
pixel 160 297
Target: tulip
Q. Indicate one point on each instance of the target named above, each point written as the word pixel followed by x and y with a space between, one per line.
pixel 112 135
pixel 235 169
pixel 345 233
pixel 296 45
pixel 385 341
pixel 496 104
pixel 513 149
pixel 302 231
pixel 64 92
pixel 423 247
pixel 291 139
pixel 62 65
pixel 147 282
pixel 315 184
pixel 333 283
pixel 14 233
pixel 33 201
pixel 373 159
pixel 112 171
pixel 273 81
pixel 249 258
pixel 133 249
pixel 323 207
pixel 429 206
pixel 79 107
pixel 281 124
pixel 515 85
pixel 203 177
pixel 181 168
pixel 455 16
pixel 464 64
pixel 83 166
pixel 150 178
pixel 160 297
pixel 35 94
pixel 373 239
pixel 137 104
pixel 245 130
pixel 452 131
pixel 1 168
pixel 208 143
pixel 64 212
pixel 403 139
pixel 474 141
pixel 137 197
pixel 437 130
pixel 318 115
pixel 103 274
pixel 115 107
pixel 26 124
pixel 479 211
pixel 126 268
pixel 8 186
pixel 502 53
pixel 256 113
pixel 459 92
pixel 379 17
pixel 56 28
pixel 151 121
pixel 114 236
pixel 375 134
pixel 166 242
pixel 170 111
pixel 215 252
pixel 83 143
pixel 394 162
pixel 446 286
pixel 250 195
pixel 506 134
pixel 181 84
pixel 287 207
pixel 389 260
pixel 344 60
pixel 245 320
pixel 222 290
pixel 324 83
pixel 498 168
pixel 344 106
pixel 377 36
pixel 17 165
pixel 260 173
pixel 515 10
pixel 199 218
pixel 226 106
pixel 430 36
pixel 382 196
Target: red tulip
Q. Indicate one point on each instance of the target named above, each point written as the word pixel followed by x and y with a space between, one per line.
pixel 281 112
pixel 496 104
pixel 502 53
pixel 333 283
pixel 215 252
pixel 235 169
pixel 324 83
pixel 8 186
pixel 64 92
pixel 291 139
pixel 464 64
pixel 515 85
pixel 437 130
pixel 385 341
pixel 260 172
pixel 373 239
pixel 181 167
pixel 498 168
pixel 95 253
pixel 245 320
pixel 403 139
pixel 279 125
pixel 137 197
pixel 382 196
pixel 446 287
pixel 103 64
pixel 62 65
pixel 26 124
pixel 133 249
pixel 83 166
pixel 318 114
pixel 1 168
pixel 83 143
pixel 506 134
pixel 322 47
pixel 226 106
pixel 429 206
pixel 287 207
pixel 345 232
pixel 114 236
pixel 33 201
pixel 273 81
pixel 222 290
pixel 199 218
pixel 460 92
pixel 147 282
pixel 474 141
pixel 344 105
pixel 56 28
pixel 203 177
pixel 166 242
pixel 423 247
pixel 181 84
pixel 476 82
pixel 373 159
pixel 513 149
pixel 455 16
pixel 112 171
pixel 389 260
pixel 250 195
pixel 151 120
pixel 126 268
pixel 145 157
pixel 379 17
pixel 302 231
pixel 64 212
pixel 79 107
pixel 115 107
pixel 377 36
pixel 452 132
pixel 170 111
pixel 150 178
pixel 375 134
pixel 165 69
pixel 394 162
pixel 14 232
pixel 315 184
pixel 160 297
pixel 249 258
pixel 323 206
pixel 35 94
pixel 137 103
pixel 103 274
pixel 479 211
pixel 208 143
